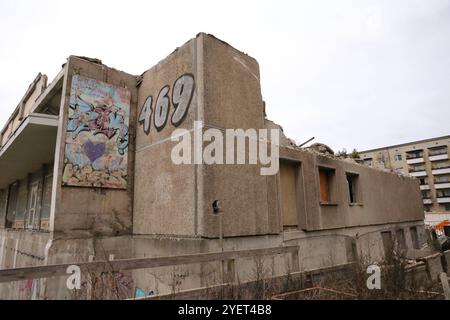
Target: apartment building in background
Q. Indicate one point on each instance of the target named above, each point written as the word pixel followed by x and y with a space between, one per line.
pixel 428 161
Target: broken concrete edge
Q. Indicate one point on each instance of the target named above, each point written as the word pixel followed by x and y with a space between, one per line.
pixel 196 37
pixel 330 156
pixel 24 98
pixel 291 144
pixel 99 62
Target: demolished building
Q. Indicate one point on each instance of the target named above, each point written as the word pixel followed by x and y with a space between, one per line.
pixel 86 173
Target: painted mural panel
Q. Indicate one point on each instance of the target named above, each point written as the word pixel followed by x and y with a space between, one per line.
pixel 96 153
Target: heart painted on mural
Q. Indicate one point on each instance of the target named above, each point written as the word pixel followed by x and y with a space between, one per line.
pixel 94 150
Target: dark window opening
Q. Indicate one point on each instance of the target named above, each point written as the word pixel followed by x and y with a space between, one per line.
pixel 442 179
pixel 444 193
pixel 12 205
pixel 353 186
pixel 425 194
pixel 440 165
pixel 423 181
pixel 414 154
pixel 436 151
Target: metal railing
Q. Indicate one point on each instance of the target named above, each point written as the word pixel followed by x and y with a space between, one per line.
pixel 414 156
pixel 437 152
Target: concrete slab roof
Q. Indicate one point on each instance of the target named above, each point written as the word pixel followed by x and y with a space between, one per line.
pixel 31 146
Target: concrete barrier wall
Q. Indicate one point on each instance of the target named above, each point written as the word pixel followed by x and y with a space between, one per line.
pixel 85 212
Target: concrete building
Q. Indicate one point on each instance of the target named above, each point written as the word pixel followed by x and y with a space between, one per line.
pixel 86 171
pixel 428 161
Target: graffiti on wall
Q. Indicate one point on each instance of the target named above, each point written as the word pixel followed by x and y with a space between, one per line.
pixel 96 152
pixel 182 94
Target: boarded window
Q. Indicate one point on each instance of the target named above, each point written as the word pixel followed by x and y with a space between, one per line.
pixel 288 178
pixel 326 180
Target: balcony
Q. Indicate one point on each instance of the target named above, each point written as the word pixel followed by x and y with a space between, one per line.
pixel 414 154
pixel 427 201
pixel 439 157
pixel 415 160
pixel 442 185
pixel 420 173
pixel 32 144
pixel 443 199
pixel 424 187
pixel 443 170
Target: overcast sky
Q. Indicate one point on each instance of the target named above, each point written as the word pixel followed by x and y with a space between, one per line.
pixel 356 73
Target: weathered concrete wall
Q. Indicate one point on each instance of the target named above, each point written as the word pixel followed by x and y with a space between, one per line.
pixel 40 85
pixel 21 249
pixel 24 108
pixel 384 197
pixel 165 193
pixel 227 95
pixel 82 250
pixel 232 100
pixel 25 249
pixel 317 249
pixel 84 212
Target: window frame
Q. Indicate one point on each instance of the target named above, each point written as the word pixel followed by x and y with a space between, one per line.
pixel 330 174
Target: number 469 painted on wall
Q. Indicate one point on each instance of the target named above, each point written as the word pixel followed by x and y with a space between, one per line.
pixel 182 93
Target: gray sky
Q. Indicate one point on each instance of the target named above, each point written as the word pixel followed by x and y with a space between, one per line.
pixel 355 73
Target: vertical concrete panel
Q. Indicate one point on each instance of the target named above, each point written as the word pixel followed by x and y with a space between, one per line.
pixel 232 100
pixel 80 212
pixel 165 192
